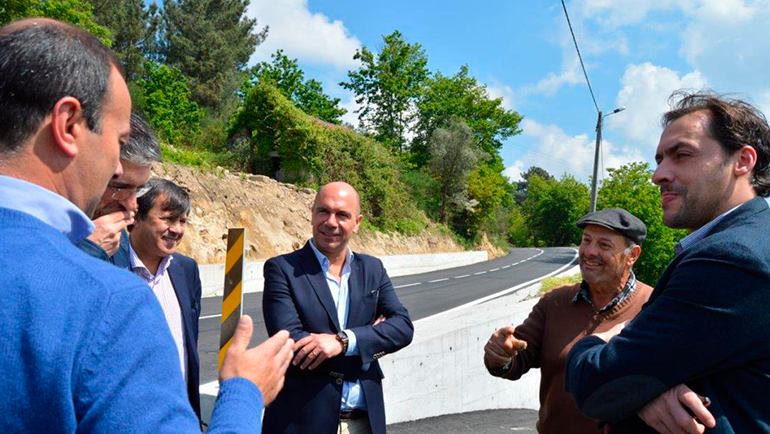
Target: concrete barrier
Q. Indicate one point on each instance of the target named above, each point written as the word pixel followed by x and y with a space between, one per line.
pixel 213 275
pixel 442 371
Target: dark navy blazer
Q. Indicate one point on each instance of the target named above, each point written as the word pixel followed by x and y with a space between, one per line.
pixel 297 299
pixel 184 275
pixel 706 325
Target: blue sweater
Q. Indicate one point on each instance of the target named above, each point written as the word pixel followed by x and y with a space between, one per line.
pixel 705 325
pixel 84 346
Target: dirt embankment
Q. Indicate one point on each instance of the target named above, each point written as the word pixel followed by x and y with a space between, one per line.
pixel 276 217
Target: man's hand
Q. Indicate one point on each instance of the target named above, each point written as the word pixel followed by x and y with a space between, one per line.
pixel 108 228
pixel 611 333
pixel 264 365
pixel 380 319
pixel 316 348
pixel 502 347
pixel 668 414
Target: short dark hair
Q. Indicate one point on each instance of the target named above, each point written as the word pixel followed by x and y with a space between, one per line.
pixel 142 148
pixel 733 123
pixel 41 63
pixel 176 199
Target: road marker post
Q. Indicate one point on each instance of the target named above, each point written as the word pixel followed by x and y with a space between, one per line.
pixel 232 298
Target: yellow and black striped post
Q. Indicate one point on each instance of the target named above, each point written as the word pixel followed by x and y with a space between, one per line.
pixel 232 299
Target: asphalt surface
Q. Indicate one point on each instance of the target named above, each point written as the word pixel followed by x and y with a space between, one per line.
pixel 476 422
pixel 423 295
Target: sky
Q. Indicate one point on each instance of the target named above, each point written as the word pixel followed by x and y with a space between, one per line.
pixel 636 53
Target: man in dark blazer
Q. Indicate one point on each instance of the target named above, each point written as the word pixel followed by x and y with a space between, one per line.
pixel 341 310
pixel 174 278
pixel 705 332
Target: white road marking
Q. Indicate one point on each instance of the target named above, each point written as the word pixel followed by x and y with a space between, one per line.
pixel 480 272
pixel 410 284
pixel 506 266
pixel 438 280
pixel 460 277
pixel 210 316
pixel 494 269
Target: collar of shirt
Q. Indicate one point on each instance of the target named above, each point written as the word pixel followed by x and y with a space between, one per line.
pixel 324 261
pixel 584 294
pixel 138 265
pixel 47 206
pixel 688 241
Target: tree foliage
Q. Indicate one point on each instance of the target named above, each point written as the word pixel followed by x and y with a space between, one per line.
pixel 552 207
pixel 462 96
pixel 134 28
pixel 387 87
pixel 490 190
pixel 453 156
pixel 165 100
pixel 520 193
pixel 307 95
pixel 629 187
pixel 210 41
pixel 313 152
pixel 75 12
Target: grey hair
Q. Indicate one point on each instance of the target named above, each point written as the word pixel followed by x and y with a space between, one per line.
pixel 142 147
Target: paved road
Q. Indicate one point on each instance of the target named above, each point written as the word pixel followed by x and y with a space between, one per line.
pixel 423 295
pixel 476 422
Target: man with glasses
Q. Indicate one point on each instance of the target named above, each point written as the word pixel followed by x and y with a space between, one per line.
pixel 117 208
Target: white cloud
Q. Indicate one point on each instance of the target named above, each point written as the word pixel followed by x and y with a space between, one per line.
pixel 311 37
pixel 570 74
pixel 558 152
pixel 644 92
pixel 500 90
pixel 515 171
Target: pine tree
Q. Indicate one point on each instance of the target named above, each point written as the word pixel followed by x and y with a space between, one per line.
pixel 210 41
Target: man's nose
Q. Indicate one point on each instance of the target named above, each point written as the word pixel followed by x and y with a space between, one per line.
pixel 662 174
pixel 129 203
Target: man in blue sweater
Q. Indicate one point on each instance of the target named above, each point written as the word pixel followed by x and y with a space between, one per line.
pixel 84 346
pixel 705 332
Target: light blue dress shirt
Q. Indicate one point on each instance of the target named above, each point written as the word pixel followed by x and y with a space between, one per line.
pixel 45 205
pixel 352 393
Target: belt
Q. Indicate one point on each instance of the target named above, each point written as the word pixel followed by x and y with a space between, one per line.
pixel 356 413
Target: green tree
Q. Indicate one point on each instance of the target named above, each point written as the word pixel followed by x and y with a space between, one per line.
pixel 453 156
pixel 387 87
pixel 307 95
pixel 210 41
pixel 629 187
pixel 520 193
pixel 134 29
pixel 462 96
pixel 75 12
pixel 553 206
pixel 490 190
pixel 165 99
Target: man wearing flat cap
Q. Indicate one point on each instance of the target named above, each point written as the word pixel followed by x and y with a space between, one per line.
pixel 608 295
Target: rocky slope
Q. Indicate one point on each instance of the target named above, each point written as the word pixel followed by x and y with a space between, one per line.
pixel 276 217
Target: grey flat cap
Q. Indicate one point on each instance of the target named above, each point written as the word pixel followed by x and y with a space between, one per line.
pixel 617 220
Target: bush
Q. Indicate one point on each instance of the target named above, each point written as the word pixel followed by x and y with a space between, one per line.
pixel 313 152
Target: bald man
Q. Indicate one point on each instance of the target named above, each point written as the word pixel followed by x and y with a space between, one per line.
pixel 341 310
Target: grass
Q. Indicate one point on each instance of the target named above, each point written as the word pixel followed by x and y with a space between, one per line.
pixel 188 157
pixel 550 283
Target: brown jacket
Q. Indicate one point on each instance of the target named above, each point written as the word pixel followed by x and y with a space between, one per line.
pixel 552 328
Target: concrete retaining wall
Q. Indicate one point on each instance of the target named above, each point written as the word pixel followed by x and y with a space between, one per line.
pixel 442 371
pixel 213 275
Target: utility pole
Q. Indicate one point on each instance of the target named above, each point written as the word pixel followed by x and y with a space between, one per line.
pixel 596 160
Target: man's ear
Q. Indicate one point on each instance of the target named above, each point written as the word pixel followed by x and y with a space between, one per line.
pixel 746 160
pixel 68 125
pixel 359 219
pixel 634 254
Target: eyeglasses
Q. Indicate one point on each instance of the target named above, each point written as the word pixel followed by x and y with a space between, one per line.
pixel 122 193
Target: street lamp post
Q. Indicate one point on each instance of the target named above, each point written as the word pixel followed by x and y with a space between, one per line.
pixel 599 121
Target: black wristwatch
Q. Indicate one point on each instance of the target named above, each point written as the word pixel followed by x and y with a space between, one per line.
pixel 342 338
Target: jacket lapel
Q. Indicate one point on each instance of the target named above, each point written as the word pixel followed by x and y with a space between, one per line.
pixel 356 290
pixel 315 276
pixel 178 281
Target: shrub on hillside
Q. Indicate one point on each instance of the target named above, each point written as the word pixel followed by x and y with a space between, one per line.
pixel 314 152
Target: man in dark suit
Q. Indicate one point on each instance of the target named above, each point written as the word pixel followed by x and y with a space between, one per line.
pixel 117 208
pixel 705 332
pixel 159 227
pixel 342 312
